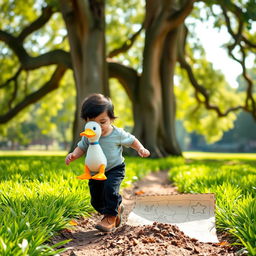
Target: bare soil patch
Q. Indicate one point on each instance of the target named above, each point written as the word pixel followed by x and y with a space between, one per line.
pixel 157 239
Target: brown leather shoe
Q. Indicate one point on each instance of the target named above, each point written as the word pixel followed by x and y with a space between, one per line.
pixel 107 224
pixel 119 216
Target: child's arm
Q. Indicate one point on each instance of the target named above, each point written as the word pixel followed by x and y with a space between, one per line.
pixel 143 152
pixel 78 152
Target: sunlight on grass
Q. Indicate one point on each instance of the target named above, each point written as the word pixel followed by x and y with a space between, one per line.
pixel 232 178
pixel 32 153
pixel 40 195
pixel 216 155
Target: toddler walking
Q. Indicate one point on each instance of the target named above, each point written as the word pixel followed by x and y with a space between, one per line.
pixel 105 196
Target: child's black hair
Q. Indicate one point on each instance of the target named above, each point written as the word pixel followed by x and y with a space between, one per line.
pixel 95 104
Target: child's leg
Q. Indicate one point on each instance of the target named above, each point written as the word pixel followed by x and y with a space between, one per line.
pixel 97 195
pixel 112 197
pixel 112 200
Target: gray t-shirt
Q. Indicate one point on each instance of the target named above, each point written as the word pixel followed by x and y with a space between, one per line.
pixel 112 145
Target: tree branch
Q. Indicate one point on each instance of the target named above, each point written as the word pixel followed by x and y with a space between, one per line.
pixel 178 17
pixel 163 17
pixel 237 11
pixel 58 57
pixel 248 42
pixel 250 104
pixel 126 45
pixel 249 91
pixel 236 36
pixel 37 24
pixel 49 86
pixel 127 76
pixel 13 78
pixel 14 93
pixel 28 63
pixel 13 43
pixel 199 89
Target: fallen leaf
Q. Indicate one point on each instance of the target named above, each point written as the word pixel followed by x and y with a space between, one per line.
pixel 73 223
pixel 224 243
pixel 140 192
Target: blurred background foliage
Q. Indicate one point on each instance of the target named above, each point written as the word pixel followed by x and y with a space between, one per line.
pixel 48 123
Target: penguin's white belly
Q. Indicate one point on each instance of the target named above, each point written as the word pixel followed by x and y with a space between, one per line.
pixel 95 158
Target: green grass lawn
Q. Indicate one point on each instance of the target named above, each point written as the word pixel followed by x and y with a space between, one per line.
pixel 219 156
pixel 232 177
pixel 39 195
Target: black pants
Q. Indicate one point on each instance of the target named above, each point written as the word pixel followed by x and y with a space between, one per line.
pixel 105 197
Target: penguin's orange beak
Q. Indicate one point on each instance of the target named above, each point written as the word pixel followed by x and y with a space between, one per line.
pixel 89 133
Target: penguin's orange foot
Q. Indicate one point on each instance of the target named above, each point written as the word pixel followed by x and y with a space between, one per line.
pixel 84 176
pixel 99 176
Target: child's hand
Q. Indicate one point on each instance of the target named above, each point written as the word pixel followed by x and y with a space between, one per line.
pixel 69 158
pixel 143 152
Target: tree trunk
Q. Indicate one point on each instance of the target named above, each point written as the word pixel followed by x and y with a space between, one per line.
pixel 154 107
pixel 85 22
pixel 152 92
pixel 168 61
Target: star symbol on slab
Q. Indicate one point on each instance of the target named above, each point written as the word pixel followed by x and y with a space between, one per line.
pixel 198 208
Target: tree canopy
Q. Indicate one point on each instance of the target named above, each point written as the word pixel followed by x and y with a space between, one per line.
pixel 139 44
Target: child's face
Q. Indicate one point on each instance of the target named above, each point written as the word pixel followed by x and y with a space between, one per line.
pixel 104 121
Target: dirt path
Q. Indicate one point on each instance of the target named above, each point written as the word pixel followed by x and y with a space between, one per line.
pixel 157 239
